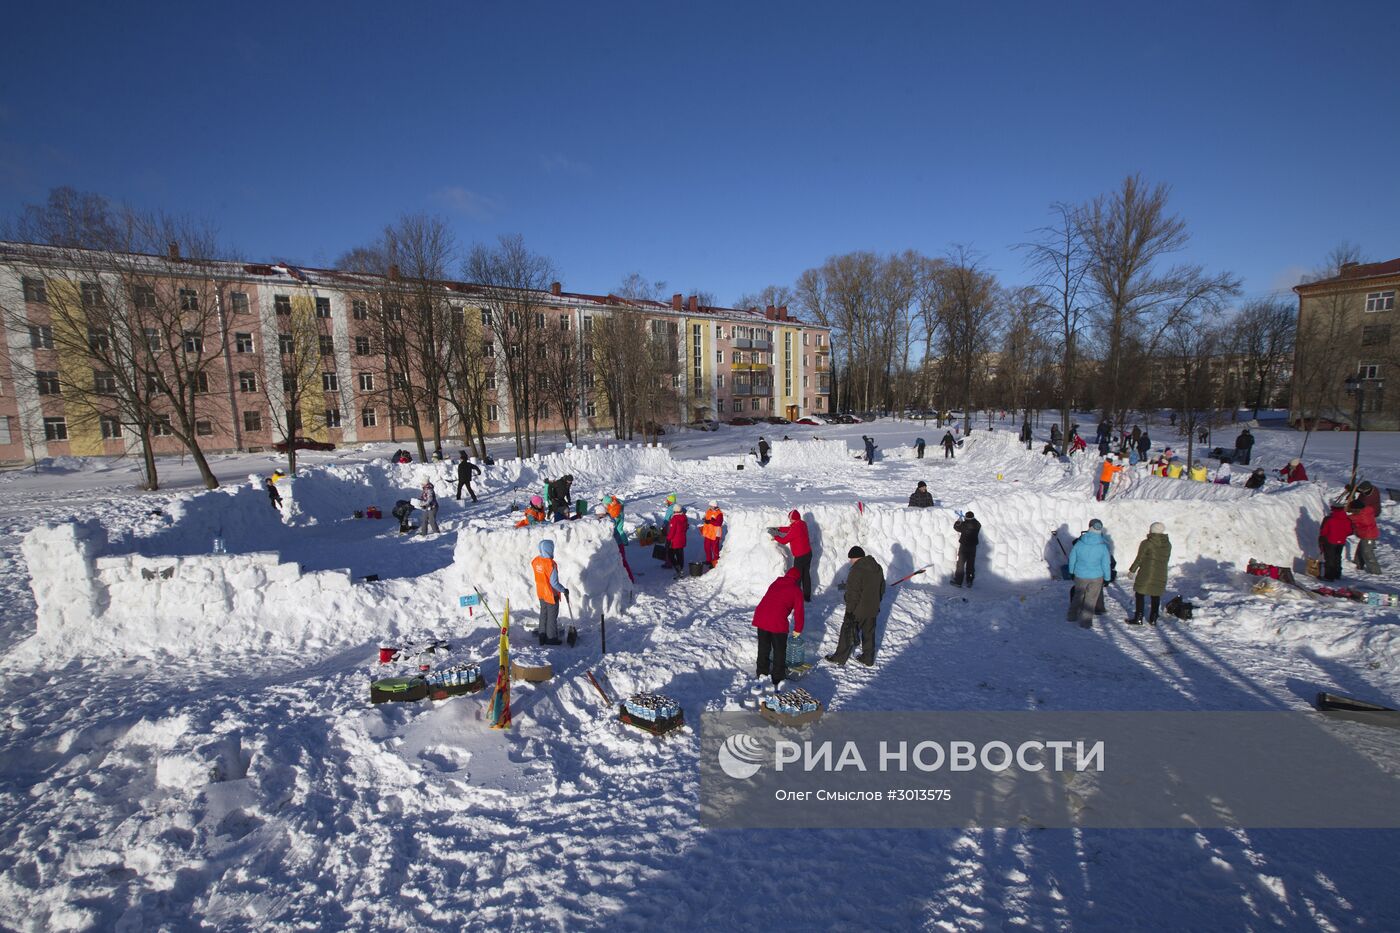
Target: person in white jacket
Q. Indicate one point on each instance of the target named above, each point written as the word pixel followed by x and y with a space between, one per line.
pixel 430 509
pixel 1222 473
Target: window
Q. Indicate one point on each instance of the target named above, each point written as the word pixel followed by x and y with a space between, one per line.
pixel 243 343
pixel 204 427
pixel 189 299
pixel 396 346
pixel 55 429
pixel 323 307
pixel 152 339
pixel 143 297
pixel 493 413
pixel 539 319
pixel 332 417
pixel 587 379
pixel 719 406
pixel 104 383
pixel 563 322
pixel 490 381
pixel 286 345
pixel 400 380
pixel 403 417
pixel 327 345
pixel 41 337
pixel 719 356
pixel 238 301
pixel 201 383
pixel 362 346
pixel 754 404
pixel 485 317
pixel 35 291
pixel 513 351
pixel 47 380
pixel 1380 301
pixel 367 418
pixel 252 421
pixel 395 312
pixel 111 427
pixel 194 343
pixel 488 349
pixel 588 324
pixel 329 382
pixel 804 338
pixel 590 409
pixel 98 341
pixel 161 427
pixel 366 382
pixel 289 381
pixel 5 437
pixel 513 318
pixel 359 309
pixel 247 381
pixel 293 418
pixel 91 294
pixel 282 304
pixel 1368 371
pixel 719 381
pixel 1375 335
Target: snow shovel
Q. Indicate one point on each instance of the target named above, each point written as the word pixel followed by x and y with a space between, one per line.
pixel 1064 568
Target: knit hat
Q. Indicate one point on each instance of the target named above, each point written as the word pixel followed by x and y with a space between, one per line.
pixel 1095 524
pixel 922 484
pixel 855 552
pixel 1157 528
pixel 671 497
pixel 714 504
pixel 536 500
pixel 1295 462
pixel 967 514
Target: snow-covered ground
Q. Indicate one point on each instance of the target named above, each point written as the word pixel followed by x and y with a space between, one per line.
pixel 196 757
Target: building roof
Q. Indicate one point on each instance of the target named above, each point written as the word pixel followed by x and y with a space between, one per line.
pixel 1356 272
pixel 345 279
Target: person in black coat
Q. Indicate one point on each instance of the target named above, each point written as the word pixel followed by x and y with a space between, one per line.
pixel 465 471
pixel 1026 433
pixel 1055 434
pixel 1144 444
pixel 762 451
pixel 561 496
pixel 968 529
pixel 1256 479
pixel 1244 445
pixel 273 495
pixel 869 449
pixel 919 448
pixel 948 444
pixel 920 498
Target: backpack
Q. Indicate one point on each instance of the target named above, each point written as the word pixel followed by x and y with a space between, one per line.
pixel 1180 608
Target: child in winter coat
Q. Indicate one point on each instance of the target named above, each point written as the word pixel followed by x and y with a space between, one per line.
pixel 795 536
pixel 675 539
pixel 1293 472
pixel 549 589
pixel 273 495
pixel 534 515
pixel 430 510
pixel 1091 565
pixel 1333 534
pixel 619 530
pixel 1150 567
pixel 710 530
pixel 1363 525
pixel 1256 479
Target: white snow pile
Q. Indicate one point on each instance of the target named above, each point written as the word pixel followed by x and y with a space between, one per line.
pixel 498 563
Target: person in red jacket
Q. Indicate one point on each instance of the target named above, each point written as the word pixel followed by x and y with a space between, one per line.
pixel 771 619
pixel 796 538
pixel 1335 530
pixel 1293 472
pixel 675 539
pixel 1363 525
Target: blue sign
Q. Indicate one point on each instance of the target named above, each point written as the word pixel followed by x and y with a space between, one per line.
pixel 472 600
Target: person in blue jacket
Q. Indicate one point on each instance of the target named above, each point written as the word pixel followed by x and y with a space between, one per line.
pixel 1091 565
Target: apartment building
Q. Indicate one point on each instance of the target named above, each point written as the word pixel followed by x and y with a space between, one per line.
pixel 1354 312
pixel 236 320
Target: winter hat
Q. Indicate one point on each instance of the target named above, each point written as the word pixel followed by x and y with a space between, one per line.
pixel 922 484
pixel 967 515
pixel 1157 528
pixel 600 510
pixel 671 497
pixel 1095 524
pixel 536 500
pixel 855 552
pixel 714 503
pixel 546 548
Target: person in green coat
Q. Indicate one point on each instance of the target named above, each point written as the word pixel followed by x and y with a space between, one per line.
pixel 865 587
pixel 1150 571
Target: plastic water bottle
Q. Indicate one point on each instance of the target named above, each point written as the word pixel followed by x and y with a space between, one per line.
pixel 219 546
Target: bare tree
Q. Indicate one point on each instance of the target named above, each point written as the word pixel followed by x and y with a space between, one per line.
pixel 471 376
pixel 1190 345
pixel 559 372
pixel 1326 337
pixel 778 296
pixel 1058 258
pixel 1126 234
pixel 1264 333
pixel 298 368
pixel 971 319
pixel 637 286
pixel 513 283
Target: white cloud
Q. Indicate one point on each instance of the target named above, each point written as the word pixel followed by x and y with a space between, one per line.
pixel 463 201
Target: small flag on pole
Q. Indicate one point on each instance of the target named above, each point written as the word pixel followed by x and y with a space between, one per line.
pixel 500 698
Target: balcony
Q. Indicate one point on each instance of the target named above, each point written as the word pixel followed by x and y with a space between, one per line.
pixel 761 344
pixel 750 367
pixel 742 343
pixel 740 388
pixel 823 387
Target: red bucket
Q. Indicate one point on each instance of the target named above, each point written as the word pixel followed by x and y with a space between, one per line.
pixel 387 654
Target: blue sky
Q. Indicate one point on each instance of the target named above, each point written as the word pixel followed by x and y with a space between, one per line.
pixel 717 146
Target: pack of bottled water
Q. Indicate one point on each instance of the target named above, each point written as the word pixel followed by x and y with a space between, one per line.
pixel 457 675
pixel 652 706
pixel 792 702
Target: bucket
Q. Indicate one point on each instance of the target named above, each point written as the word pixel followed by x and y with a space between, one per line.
pixel 387 655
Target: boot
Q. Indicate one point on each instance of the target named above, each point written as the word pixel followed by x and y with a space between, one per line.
pixel 1135 620
pixel 839 662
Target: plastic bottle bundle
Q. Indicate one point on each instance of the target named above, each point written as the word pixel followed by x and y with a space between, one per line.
pixel 457 675
pixel 792 702
pixel 652 706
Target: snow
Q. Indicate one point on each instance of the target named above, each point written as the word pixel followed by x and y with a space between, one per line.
pixel 199 749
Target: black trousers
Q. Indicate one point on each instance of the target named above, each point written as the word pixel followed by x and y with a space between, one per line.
pixel 850 625
pixel 966 567
pixel 467 483
pixel 804 564
pixel 1331 561
pixel 1156 604
pixel 947 452
pixel 774 644
pixel 676 556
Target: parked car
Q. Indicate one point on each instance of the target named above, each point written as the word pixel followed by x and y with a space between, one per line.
pixel 303 443
pixel 650 429
pixel 830 419
pixel 704 424
pixel 775 419
pixel 740 422
pixel 808 421
pixel 847 419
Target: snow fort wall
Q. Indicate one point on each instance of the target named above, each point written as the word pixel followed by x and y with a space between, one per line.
pixel 498 562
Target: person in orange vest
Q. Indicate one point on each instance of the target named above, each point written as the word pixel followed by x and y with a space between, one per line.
pixel 710 530
pixel 534 514
pixel 1106 473
pixel 549 589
